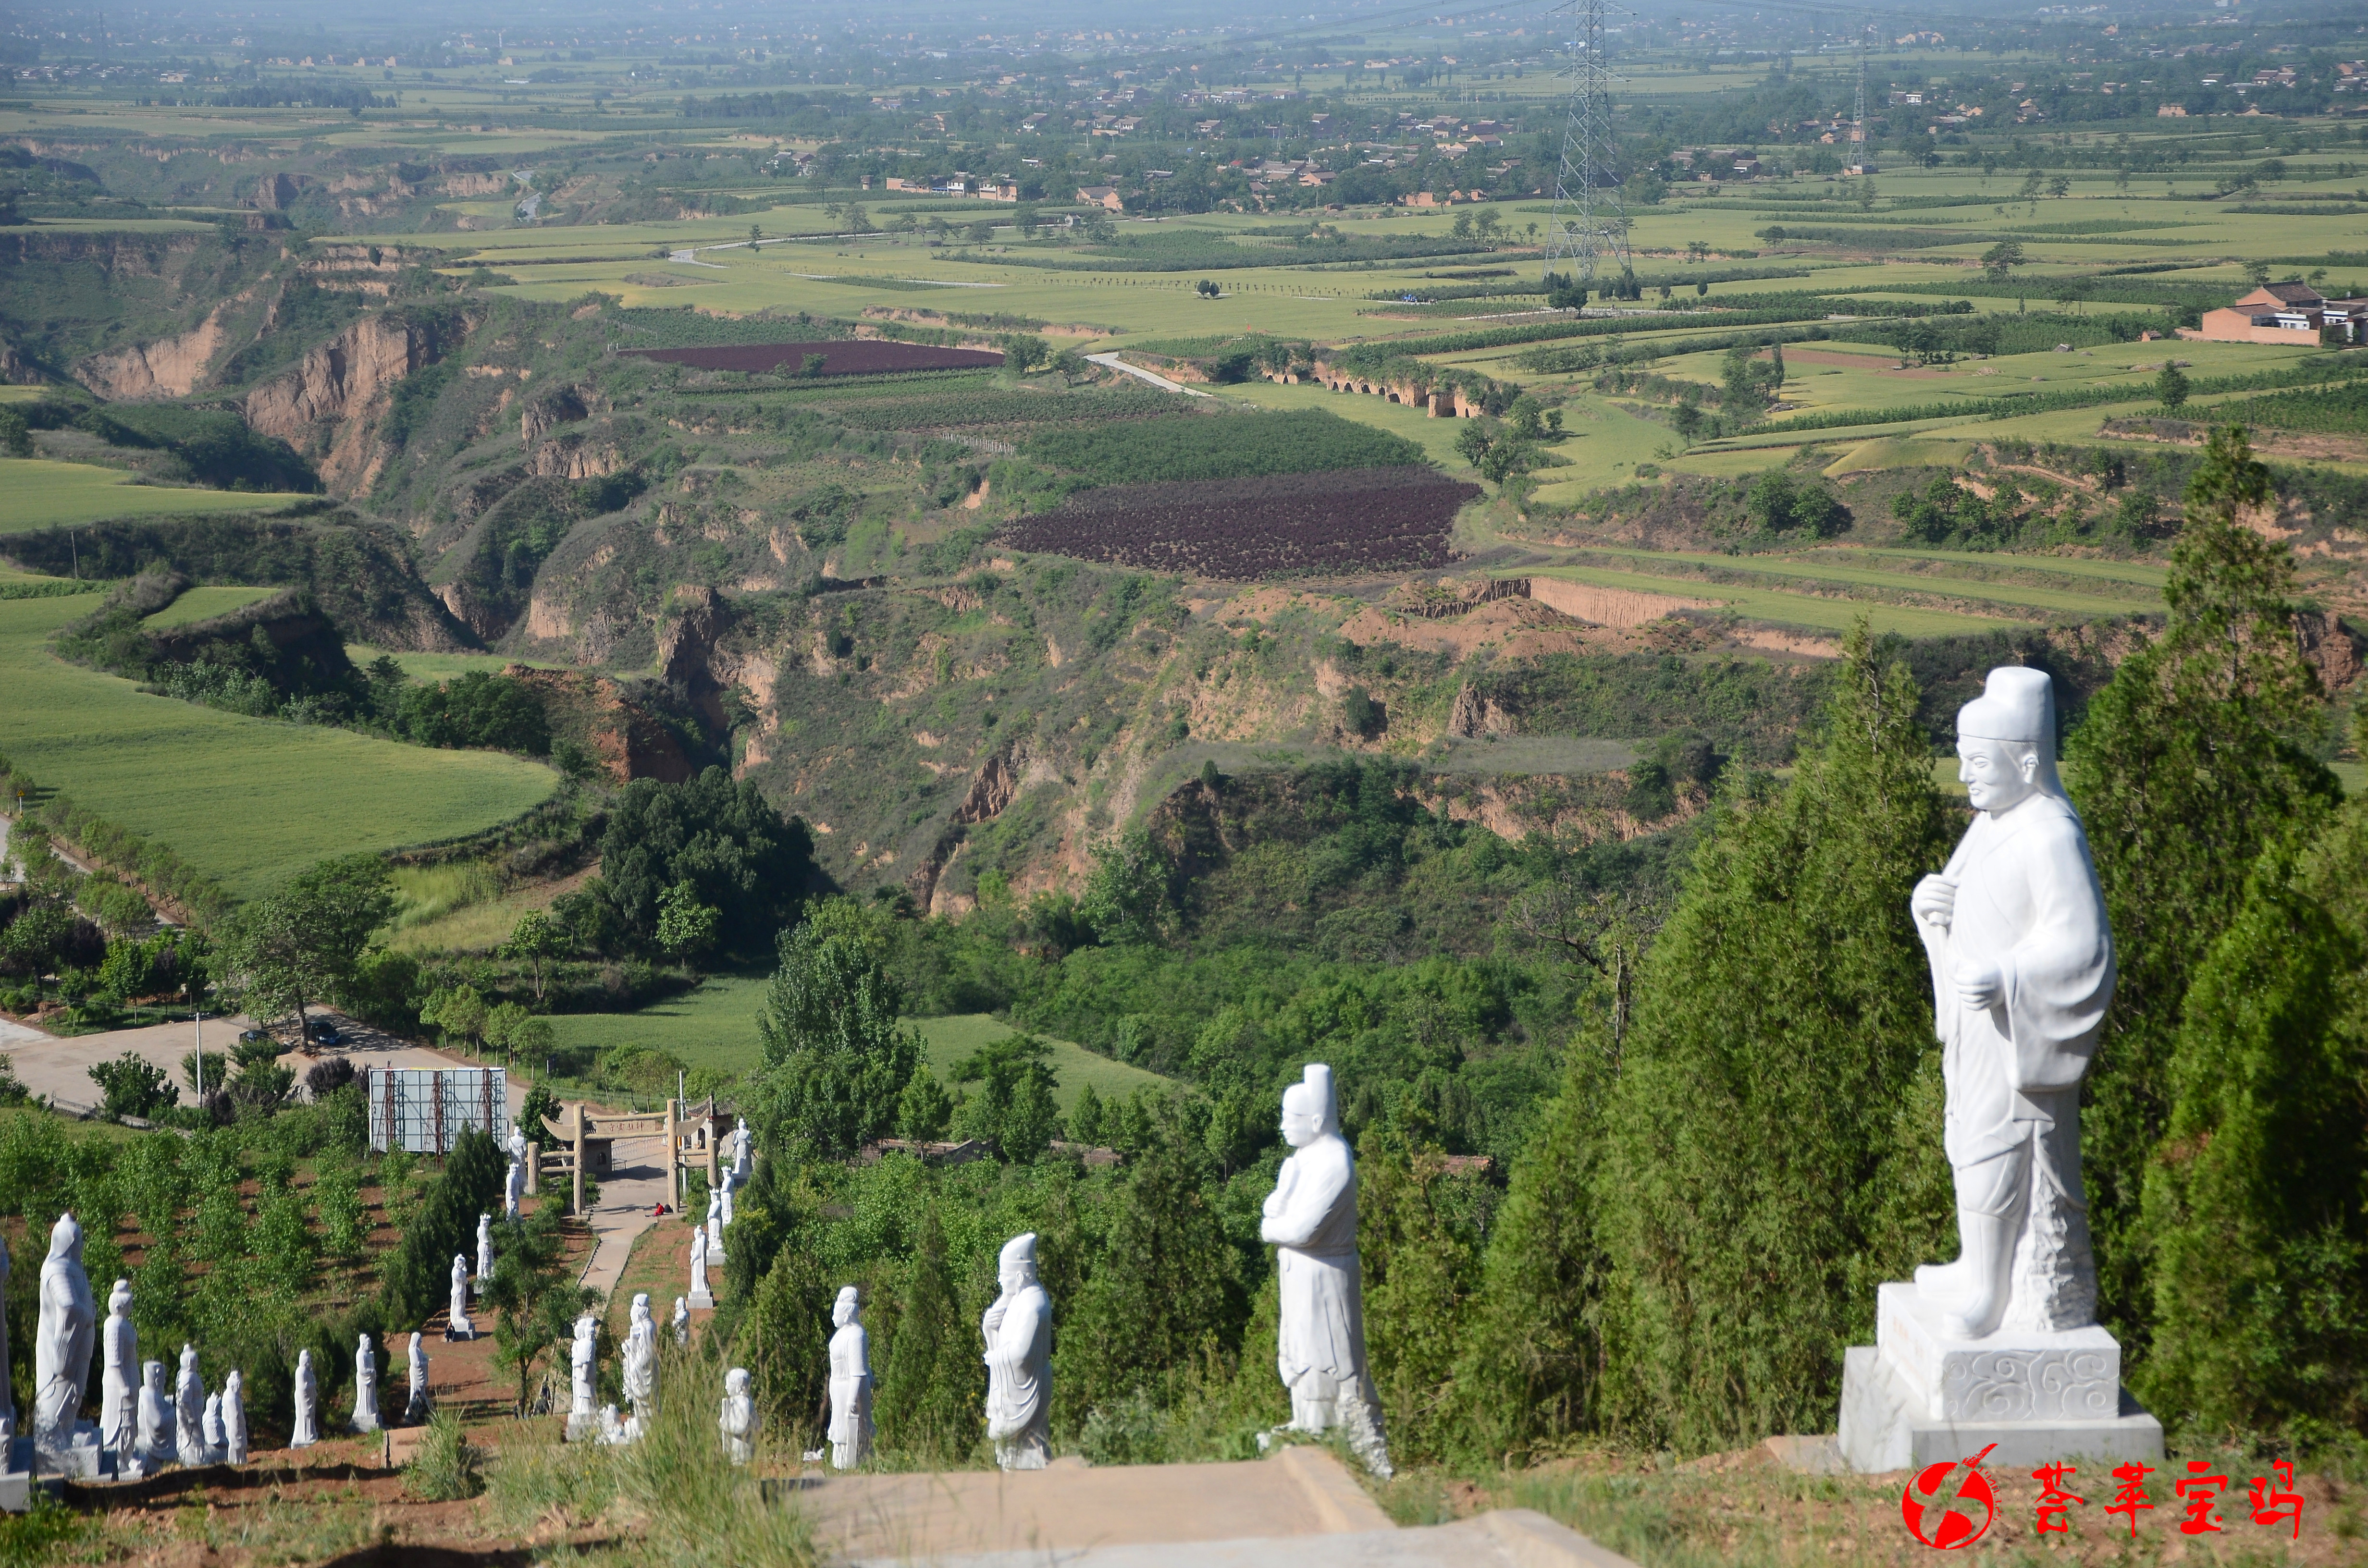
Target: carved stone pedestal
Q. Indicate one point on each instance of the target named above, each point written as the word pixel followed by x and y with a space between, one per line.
pixel 1917 1396
pixel 704 1301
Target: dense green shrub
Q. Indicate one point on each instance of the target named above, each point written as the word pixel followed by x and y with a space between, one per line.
pixel 1211 446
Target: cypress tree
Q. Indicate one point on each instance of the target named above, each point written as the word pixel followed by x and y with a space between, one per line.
pixel 835 1059
pixel 1419 1243
pixel 1527 1375
pixel 2195 756
pixel 2257 1203
pixel 933 1393
pixel 1755 1125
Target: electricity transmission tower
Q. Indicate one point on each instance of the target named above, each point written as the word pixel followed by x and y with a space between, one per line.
pixel 1589 226
pixel 1859 165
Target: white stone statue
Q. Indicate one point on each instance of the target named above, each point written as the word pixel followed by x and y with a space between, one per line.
pixel 714 1224
pixel 484 1249
pixel 681 1320
pixel 461 1327
pixel 850 1381
pixel 189 1410
pixel 514 1186
pixel 581 1353
pixel 737 1419
pixel 210 1428
pixel 365 1387
pixel 2022 973
pixel 307 1428
pixel 63 1339
pixel 1019 1330
pixel 740 1149
pixel 118 1389
pixel 1311 1217
pixel 415 1406
pixel 233 1418
pixel 730 1186
pixel 518 1144
pixel 642 1366
pixel 699 1294
pixel 154 1446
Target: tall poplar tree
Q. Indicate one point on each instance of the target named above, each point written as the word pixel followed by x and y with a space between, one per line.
pixel 837 1061
pixel 2197 754
pixel 1754 1130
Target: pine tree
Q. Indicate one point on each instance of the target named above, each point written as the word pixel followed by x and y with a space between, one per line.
pixel 1786 1007
pixel 2255 1216
pixel 2197 754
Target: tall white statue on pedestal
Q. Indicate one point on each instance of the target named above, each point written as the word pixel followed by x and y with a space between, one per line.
pixel 850 1383
pixel 715 1224
pixel 737 1418
pixel 642 1366
pixel 740 1149
pixel 485 1249
pixel 2004 1344
pixel 414 1405
pixel 306 1431
pixel 64 1339
pixel 460 1327
pixel 189 1410
pixel 1310 1219
pixel 731 1185
pixel 514 1186
pixel 154 1446
pixel 1019 1330
pixel 365 1387
pixel 119 1390
pixel 233 1418
pixel 699 1295
pixel 582 1351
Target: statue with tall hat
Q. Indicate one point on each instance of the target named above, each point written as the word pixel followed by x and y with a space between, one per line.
pixel 1310 1219
pixel 737 1417
pixel 642 1367
pixel 1019 1330
pixel 850 1381
pixel 233 1417
pixel 118 1384
pixel 459 1326
pixel 582 1419
pixel 414 1405
pixel 2004 1342
pixel 366 1417
pixel 64 1336
pixel 2022 971
pixel 306 1429
pixel 189 1410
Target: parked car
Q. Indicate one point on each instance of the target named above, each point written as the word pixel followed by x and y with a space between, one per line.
pixel 321 1031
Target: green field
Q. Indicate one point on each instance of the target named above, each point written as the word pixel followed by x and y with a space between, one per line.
pixel 38 494
pixel 246 800
pixel 1836 570
pixel 715 1027
pixel 1773 605
pixel 204 604
pixel 443 666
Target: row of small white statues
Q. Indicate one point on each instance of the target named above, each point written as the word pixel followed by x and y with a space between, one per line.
pixel 1311 1217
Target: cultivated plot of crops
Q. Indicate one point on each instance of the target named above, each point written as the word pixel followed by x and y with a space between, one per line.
pixel 38 494
pixel 246 800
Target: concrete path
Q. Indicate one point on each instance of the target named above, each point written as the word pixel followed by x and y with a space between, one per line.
pixel 1512 1538
pixel 1111 362
pixel 635 1186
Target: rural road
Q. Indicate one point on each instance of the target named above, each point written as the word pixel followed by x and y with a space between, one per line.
pixel 1113 362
